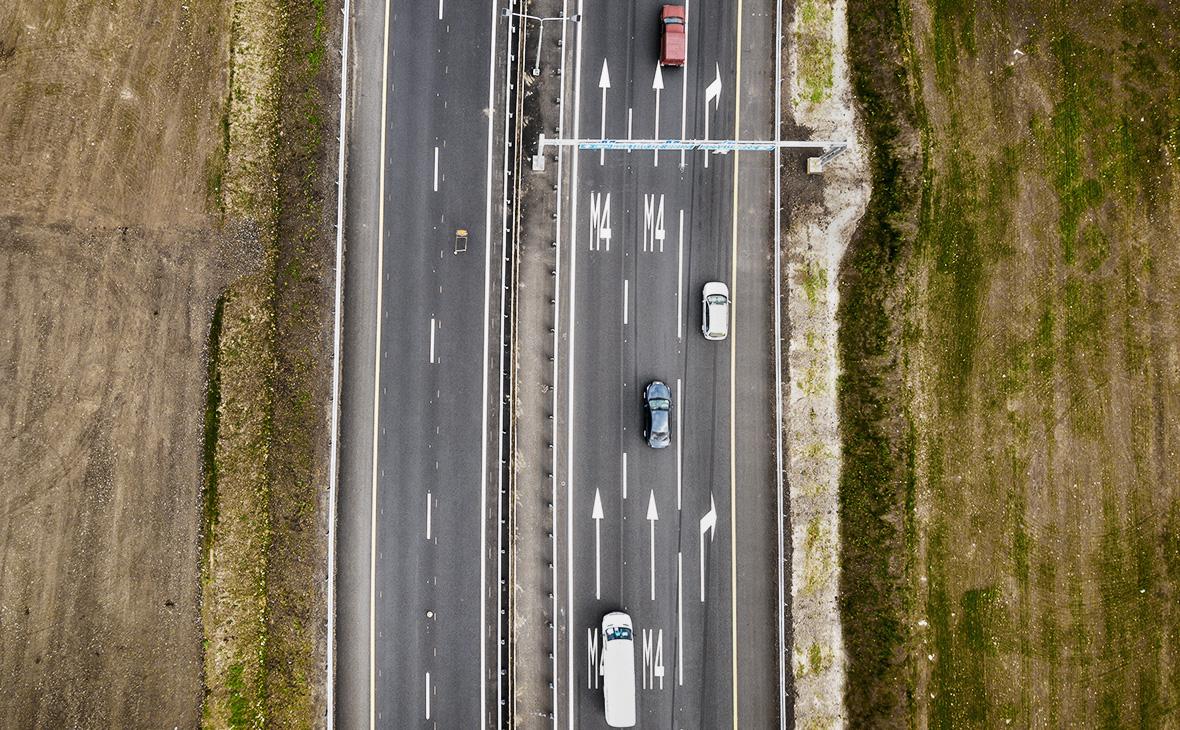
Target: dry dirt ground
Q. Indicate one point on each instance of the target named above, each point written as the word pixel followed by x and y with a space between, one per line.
pixel 1010 492
pixel 110 263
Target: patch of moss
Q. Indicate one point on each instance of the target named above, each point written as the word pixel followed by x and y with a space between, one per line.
pixel 944 707
pixel 815 282
pixel 1084 344
pixel 212 426
pixel 240 715
pixel 953 27
pixel 1078 639
pixel 983 623
pixel 1020 537
pixel 215 167
pixel 813 42
pixel 957 285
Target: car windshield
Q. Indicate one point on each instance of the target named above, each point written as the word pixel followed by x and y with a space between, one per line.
pixel 618 632
pixel 716 299
pixel 674 21
pixel 658 404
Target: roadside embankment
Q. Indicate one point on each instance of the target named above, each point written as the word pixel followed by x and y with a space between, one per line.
pixel 263 601
pixel 238 485
pixel 815 241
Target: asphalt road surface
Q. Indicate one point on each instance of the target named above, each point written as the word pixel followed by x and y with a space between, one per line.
pixel 654 532
pixel 416 602
pixel 682 538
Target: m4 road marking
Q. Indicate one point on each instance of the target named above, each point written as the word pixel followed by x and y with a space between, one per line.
pixel 653 223
pixel 653 658
pixel 599 221
pixel 593 668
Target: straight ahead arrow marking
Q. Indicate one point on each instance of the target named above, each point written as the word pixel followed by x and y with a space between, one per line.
pixel 604 84
pixel 652 516
pixel 596 515
pixel 657 84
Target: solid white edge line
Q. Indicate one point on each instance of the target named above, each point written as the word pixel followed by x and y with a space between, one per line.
pixel 501 671
pixel 432 340
pixel 778 362
pixel 436 168
pixel 377 386
pixel 333 449
pixel 428 695
pixel 483 458
pixel 569 480
pixel 556 358
pixel 429 505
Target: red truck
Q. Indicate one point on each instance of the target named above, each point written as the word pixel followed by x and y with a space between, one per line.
pixel 673 39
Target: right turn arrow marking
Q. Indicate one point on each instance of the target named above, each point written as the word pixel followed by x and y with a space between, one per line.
pixel 708 524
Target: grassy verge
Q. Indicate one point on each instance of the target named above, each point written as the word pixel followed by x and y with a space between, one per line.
pixel 813 39
pixel 876 485
pixel 237 535
pixel 266 432
pixel 1008 510
pixel 303 306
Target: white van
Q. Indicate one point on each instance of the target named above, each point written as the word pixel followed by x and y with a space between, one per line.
pixel 618 670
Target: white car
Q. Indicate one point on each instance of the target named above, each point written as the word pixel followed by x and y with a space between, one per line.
pixel 715 311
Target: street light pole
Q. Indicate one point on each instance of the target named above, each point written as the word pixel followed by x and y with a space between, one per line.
pixel 576 17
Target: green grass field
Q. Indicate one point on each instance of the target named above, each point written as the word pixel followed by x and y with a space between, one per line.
pixel 1011 390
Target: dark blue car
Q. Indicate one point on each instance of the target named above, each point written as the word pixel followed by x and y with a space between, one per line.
pixel 657 410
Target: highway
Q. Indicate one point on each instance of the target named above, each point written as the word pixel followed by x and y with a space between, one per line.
pixel 655 532
pixel 416 599
pixel 682 538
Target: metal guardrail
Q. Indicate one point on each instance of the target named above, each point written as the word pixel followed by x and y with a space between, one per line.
pixel 333 450
pixel 509 261
pixel 780 613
